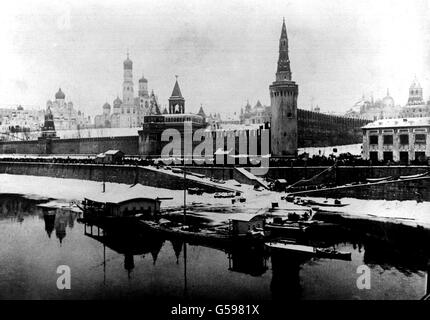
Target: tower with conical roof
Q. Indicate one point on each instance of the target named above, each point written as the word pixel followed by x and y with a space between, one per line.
pixel 176 100
pixel 283 98
pixel 201 112
pixel 127 85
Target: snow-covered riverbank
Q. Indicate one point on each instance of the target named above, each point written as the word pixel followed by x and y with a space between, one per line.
pixel 63 191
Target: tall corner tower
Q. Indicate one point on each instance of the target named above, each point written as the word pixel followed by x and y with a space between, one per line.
pixel 127 85
pixel 283 101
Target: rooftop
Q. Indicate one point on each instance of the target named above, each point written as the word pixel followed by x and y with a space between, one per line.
pixel 136 192
pixel 399 122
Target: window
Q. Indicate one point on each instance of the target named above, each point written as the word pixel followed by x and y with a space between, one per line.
pixel 404 139
pixel 404 157
pixel 388 156
pixel 420 138
pixel 388 139
pixel 373 155
pixel 420 156
pixel 373 140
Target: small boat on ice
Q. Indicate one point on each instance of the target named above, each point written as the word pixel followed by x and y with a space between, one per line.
pixel 309 202
pixel 224 195
pixel 336 203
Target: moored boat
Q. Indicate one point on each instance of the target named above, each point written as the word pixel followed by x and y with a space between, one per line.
pixel 287 246
pixel 291 247
pixel 195 234
pixel 333 254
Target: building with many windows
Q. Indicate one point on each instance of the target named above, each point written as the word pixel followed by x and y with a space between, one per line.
pixel 399 140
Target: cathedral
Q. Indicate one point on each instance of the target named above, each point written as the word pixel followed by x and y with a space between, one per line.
pixel 258 114
pixel 66 117
pixel 416 107
pixel 130 111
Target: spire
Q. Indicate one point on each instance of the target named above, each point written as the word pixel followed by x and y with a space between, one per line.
pixel 176 90
pixel 283 72
pixel 284 29
pixel 201 112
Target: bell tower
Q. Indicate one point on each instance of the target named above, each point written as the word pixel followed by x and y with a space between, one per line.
pixel 127 85
pixel 283 101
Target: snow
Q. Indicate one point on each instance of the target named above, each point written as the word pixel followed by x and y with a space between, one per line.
pixel 406 212
pixel 354 149
pixel 251 176
pixel 64 191
pixel 218 210
pixel 97 132
pixel 134 192
pixel 399 122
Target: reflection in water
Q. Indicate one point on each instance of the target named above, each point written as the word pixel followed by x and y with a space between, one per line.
pixel 59 220
pixel 252 261
pixel 177 248
pixel 125 243
pixel 17 208
pixel 285 284
pixel 30 255
pixel 49 218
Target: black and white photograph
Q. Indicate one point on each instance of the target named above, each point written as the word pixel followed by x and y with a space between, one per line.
pixel 216 155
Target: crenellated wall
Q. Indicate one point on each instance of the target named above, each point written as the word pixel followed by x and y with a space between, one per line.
pixel 322 130
pixel 314 130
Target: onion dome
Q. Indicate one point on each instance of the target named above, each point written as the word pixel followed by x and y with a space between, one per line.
pixel 60 95
pixel 128 64
pixel 106 106
pixel 388 101
pixel 143 79
pixel 415 84
pixel 117 102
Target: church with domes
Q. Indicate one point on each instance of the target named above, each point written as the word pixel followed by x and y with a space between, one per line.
pixel 131 110
pixel 416 107
pixel 66 117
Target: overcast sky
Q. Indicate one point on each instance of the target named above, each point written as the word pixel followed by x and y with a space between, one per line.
pixel 224 52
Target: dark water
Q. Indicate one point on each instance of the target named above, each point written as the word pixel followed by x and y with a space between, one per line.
pixel 34 241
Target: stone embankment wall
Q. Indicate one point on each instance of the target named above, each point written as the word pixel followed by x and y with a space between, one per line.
pixel 108 173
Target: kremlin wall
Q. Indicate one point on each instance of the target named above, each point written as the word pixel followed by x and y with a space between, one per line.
pixel 317 129
pixel 290 127
pixel 314 130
